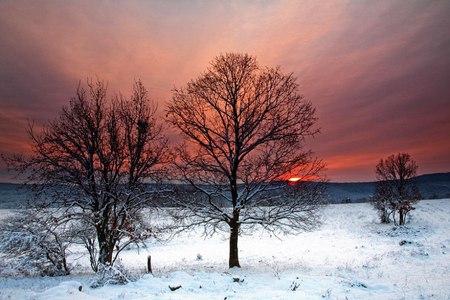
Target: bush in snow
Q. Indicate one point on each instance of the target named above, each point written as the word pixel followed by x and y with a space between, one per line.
pixel 33 244
pixel 115 275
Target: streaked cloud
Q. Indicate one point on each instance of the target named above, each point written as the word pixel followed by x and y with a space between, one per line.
pixel 377 71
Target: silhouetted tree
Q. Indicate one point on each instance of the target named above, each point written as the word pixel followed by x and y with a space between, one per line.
pixel 93 163
pixel 396 190
pixel 245 128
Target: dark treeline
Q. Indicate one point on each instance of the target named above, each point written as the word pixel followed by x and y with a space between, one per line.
pixel 432 186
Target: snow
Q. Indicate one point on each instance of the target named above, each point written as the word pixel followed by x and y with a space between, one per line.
pixel 351 256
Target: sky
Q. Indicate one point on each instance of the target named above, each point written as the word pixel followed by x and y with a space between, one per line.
pixel 378 72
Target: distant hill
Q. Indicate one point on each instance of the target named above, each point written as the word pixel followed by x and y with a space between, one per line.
pixel 12 195
pixel 432 186
pixel 349 192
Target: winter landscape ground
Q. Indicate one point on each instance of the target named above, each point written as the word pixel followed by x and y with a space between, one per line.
pixel 351 256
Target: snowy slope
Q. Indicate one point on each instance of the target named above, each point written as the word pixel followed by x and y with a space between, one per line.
pixel 350 257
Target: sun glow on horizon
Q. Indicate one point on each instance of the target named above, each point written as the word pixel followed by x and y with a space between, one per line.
pixel 294 179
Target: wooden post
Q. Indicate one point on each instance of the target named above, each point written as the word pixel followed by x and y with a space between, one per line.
pixel 149 264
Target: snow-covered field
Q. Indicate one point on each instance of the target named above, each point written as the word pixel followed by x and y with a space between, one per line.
pixel 351 256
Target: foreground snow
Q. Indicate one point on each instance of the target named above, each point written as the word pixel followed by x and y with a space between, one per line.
pixel 351 256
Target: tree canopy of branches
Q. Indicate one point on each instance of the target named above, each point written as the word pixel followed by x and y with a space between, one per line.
pixel 396 190
pixel 245 128
pixel 93 162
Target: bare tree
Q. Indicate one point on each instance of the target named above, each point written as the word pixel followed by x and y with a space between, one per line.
pixel 396 190
pixel 245 129
pixel 94 162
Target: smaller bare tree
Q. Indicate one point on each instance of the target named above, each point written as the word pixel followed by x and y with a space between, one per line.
pixel 94 164
pixel 396 190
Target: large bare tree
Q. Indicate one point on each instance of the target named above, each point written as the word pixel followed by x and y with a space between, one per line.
pixel 245 128
pixel 94 164
pixel 396 190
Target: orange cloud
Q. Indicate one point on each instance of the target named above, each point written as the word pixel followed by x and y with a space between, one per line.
pixel 377 71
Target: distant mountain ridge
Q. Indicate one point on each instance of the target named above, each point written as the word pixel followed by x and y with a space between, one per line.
pixel 431 186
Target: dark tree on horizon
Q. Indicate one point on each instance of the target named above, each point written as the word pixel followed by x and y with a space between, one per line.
pixel 396 190
pixel 245 128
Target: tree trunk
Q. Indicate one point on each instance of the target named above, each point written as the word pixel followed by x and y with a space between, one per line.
pixel 394 217
pixel 105 237
pixel 234 235
pixel 234 224
pixel 401 218
pixel 105 254
pixel 384 216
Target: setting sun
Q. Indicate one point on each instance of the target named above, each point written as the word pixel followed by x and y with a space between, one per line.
pixel 294 179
